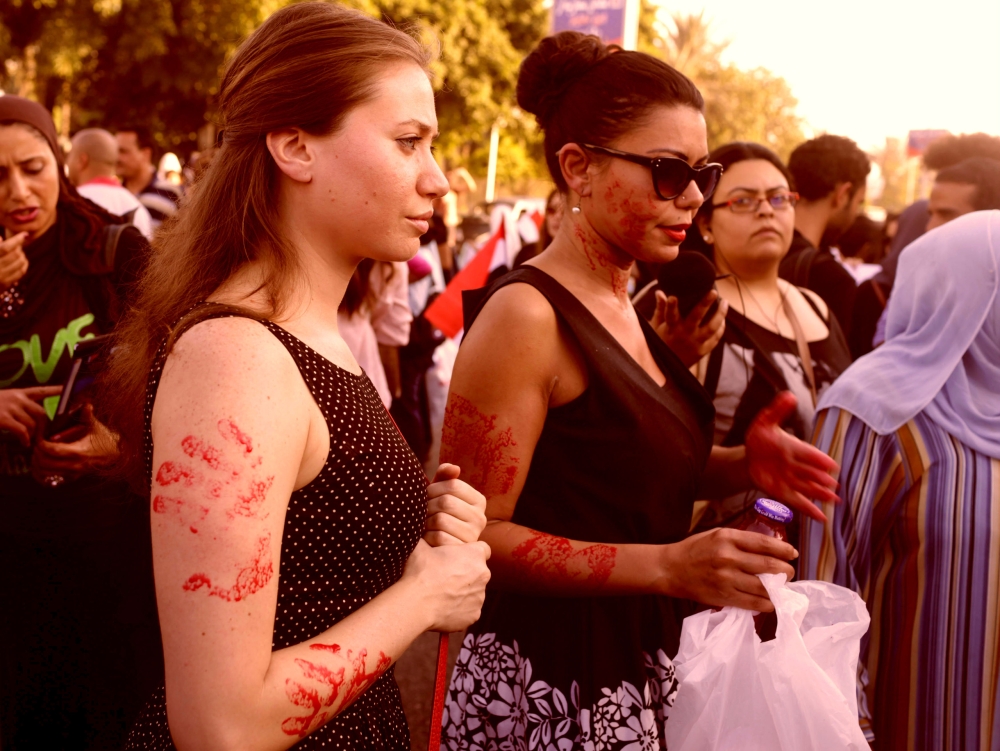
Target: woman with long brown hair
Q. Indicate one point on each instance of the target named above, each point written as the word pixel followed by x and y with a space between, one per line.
pixel 286 510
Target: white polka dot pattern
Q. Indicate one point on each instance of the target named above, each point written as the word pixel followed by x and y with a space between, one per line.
pixel 347 536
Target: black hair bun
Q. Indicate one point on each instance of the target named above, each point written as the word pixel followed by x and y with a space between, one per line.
pixel 553 66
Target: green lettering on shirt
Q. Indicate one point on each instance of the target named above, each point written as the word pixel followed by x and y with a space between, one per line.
pixel 66 338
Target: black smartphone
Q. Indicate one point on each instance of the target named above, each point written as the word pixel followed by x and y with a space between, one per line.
pixel 87 356
pixel 689 277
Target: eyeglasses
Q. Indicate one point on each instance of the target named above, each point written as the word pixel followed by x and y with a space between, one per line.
pixel 747 205
pixel 671 176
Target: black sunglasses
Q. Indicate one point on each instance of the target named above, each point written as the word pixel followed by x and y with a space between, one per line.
pixel 670 175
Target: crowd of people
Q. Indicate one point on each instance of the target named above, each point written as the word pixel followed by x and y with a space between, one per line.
pixel 282 473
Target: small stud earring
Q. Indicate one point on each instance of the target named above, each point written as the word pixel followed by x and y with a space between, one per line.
pixel 706 238
pixel 576 209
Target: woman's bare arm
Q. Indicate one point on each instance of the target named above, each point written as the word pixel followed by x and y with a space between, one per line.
pixel 235 432
pixel 514 364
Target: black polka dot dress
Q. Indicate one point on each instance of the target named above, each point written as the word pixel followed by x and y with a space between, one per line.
pixel 347 536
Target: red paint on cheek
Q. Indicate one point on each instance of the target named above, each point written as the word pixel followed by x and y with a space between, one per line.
pixel 552 560
pixel 467 433
pixel 229 430
pixel 187 513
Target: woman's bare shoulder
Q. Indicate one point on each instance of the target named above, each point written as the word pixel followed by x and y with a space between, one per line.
pixel 226 356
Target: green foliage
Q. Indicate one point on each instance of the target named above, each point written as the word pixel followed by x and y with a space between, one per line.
pixel 897 171
pixel 740 105
pixel 158 62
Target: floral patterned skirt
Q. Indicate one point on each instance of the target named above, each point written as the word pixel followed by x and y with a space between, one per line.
pixel 506 698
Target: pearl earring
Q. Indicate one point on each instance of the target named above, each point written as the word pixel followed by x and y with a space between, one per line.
pixel 705 238
pixel 576 209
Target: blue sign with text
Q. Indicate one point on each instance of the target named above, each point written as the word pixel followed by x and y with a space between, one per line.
pixel 603 18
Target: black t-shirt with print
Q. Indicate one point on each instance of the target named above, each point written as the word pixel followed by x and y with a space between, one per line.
pixel 39 353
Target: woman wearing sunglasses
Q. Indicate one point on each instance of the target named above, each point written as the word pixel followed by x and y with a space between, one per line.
pixel 778 337
pixel 590 439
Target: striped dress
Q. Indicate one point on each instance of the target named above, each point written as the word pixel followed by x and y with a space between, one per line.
pixel 918 537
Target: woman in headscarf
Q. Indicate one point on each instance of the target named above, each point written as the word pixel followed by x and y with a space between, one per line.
pixel 62 656
pixel 915 426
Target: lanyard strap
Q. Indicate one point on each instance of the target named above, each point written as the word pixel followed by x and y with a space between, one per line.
pixel 440 689
pixel 800 340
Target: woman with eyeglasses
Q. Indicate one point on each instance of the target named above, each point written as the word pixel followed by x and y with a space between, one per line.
pixel 589 437
pixel 779 338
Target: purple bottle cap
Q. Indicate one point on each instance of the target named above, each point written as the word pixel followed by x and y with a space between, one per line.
pixel 773 510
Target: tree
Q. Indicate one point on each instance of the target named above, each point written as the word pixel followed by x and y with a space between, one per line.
pixel 158 62
pixel 740 105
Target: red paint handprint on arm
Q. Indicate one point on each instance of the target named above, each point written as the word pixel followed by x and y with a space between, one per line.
pixel 472 435
pixel 191 491
pixel 330 681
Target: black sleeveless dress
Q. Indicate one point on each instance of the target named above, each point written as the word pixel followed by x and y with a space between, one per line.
pixel 619 464
pixel 371 497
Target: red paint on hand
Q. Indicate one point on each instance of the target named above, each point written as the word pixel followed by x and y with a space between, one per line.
pixel 552 560
pixel 316 700
pixel 472 437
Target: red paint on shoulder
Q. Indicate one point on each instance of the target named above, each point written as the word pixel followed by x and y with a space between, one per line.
pixel 468 433
pixel 229 430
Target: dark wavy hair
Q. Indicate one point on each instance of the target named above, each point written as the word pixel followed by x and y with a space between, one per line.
pixel 727 156
pixel 88 217
pixel 583 91
pixel 823 163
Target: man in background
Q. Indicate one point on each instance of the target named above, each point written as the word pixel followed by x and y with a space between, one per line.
pixel 135 167
pixel 972 185
pixel 830 173
pixel 91 168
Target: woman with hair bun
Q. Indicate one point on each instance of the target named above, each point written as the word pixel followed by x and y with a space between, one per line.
pixel 297 547
pixel 589 437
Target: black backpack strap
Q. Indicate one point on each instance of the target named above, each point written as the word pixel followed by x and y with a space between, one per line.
pixel 714 369
pixel 129 216
pixel 803 266
pixel 112 234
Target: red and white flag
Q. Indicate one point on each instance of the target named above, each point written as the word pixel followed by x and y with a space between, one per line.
pixel 446 311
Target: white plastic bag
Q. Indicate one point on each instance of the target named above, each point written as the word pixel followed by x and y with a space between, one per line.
pixel 792 693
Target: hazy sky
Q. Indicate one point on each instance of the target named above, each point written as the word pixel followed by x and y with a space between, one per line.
pixel 868 69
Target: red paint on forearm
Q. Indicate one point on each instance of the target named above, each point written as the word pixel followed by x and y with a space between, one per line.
pixel 553 561
pixel 485 452
pixel 250 578
pixel 316 700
